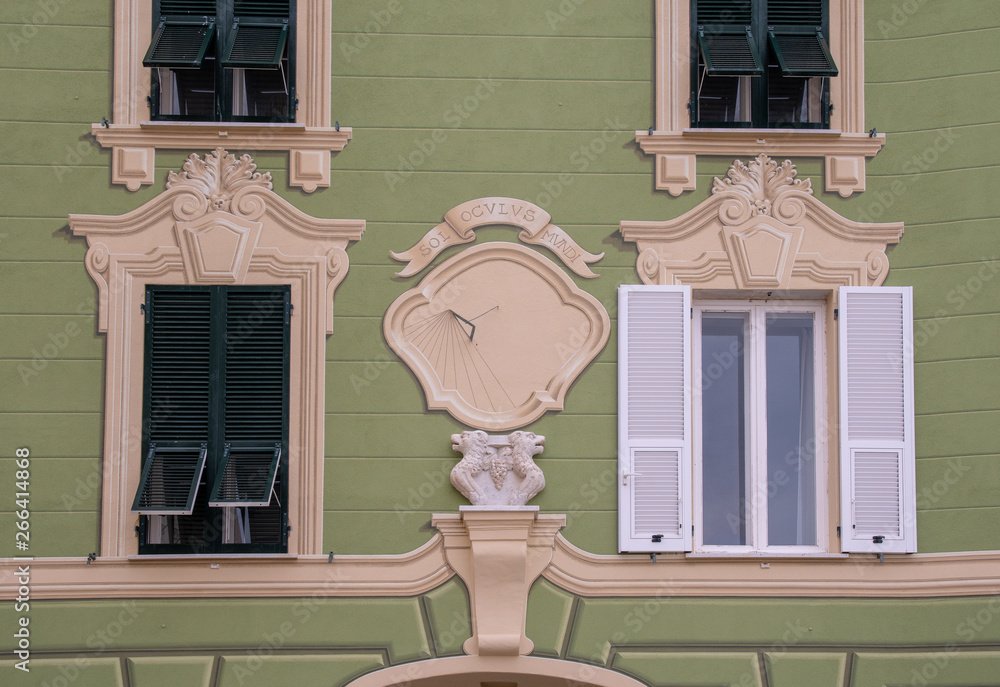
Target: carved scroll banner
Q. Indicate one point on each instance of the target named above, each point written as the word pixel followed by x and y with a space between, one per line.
pixel 461 221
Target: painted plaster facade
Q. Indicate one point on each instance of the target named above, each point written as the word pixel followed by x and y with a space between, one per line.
pixel 448 110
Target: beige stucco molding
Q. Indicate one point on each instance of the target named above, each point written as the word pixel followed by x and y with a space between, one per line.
pixel 498 553
pixel 762 228
pixel 218 222
pixel 942 575
pixel 855 576
pixel 134 140
pixel 167 577
pixel 461 221
pixel 535 333
pixel 523 671
pixel 844 147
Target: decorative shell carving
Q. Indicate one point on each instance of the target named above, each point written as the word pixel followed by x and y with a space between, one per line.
pixel 762 187
pixel 219 183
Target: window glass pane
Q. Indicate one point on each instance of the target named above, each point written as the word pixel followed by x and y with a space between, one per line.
pixel 723 409
pixel 791 431
pixel 793 100
pixel 189 92
pixel 261 93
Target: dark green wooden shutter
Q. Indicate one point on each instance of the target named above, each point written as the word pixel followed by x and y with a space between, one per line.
pixel 180 43
pixel 169 481
pixel 255 44
pixel 247 476
pixel 730 54
pixel 261 8
pixel 796 36
pixel 256 368
pixel 723 12
pixel 204 8
pixel 177 399
pixel 795 12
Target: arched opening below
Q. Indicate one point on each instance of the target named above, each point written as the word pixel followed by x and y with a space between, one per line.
pixel 495 671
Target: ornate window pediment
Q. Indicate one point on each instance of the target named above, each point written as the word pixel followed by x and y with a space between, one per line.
pixel 218 222
pixel 762 229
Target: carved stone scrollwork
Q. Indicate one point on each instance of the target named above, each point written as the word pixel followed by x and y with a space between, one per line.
pixel 221 183
pixel 487 463
pixel 762 228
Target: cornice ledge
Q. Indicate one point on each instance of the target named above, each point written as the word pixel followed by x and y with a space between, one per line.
pixel 234 135
pixel 855 576
pixel 795 142
pixel 408 574
pixel 673 229
pixel 882 232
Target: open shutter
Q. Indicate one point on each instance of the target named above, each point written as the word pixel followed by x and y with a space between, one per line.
pixel 255 44
pixel 795 35
pixel 654 402
pixel 877 459
pixel 247 476
pixel 725 39
pixel 177 400
pixel 180 42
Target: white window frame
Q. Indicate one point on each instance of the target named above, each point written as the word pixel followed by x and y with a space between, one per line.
pixel 756 439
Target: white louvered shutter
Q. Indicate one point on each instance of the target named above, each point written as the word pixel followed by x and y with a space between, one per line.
pixel 654 411
pixel 878 485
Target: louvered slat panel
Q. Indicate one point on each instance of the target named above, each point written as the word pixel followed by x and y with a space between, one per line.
pixel 795 12
pixel 802 55
pixel 877 488
pixel 261 8
pixel 730 54
pixel 182 7
pixel 169 481
pixel 875 381
pixel 876 409
pixel 179 44
pixel 656 365
pixel 255 46
pixel 179 365
pixel 723 12
pixel 657 493
pixel 247 476
pixel 256 366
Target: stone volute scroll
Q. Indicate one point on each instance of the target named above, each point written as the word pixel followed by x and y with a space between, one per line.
pixel 762 229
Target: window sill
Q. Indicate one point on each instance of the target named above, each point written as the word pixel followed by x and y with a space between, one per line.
pixel 213 557
pixel 134 146
pixel 676 152
pixel 755 555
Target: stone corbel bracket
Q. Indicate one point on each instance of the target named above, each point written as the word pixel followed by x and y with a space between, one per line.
pixel 498 553
pixel 762 229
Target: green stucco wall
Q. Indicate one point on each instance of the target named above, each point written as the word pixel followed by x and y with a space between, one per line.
pixel 537 99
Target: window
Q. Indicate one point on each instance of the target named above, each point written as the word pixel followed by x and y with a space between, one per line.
pixel 761 63
pixel 215 429
pixel 231 72
pixel 735 462
pixel 735 90
pixel 222 60
pixel 758 410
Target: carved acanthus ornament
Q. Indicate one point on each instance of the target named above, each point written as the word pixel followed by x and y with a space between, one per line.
pixel 219 182
pixel 762 228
